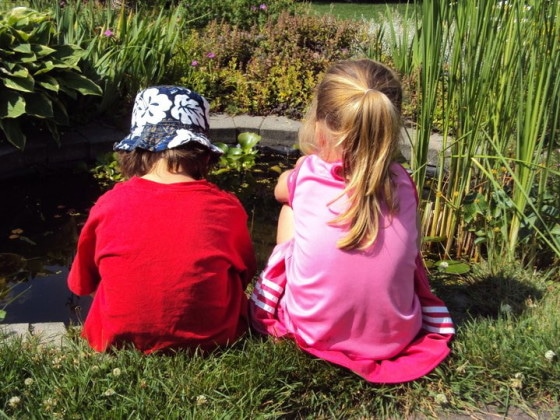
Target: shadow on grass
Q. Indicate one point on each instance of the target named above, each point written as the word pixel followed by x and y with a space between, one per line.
pixel 486 295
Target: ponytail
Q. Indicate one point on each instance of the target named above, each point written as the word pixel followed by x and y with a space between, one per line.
pixel 359 102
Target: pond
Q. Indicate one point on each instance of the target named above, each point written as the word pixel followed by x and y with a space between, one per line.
pixel 41 217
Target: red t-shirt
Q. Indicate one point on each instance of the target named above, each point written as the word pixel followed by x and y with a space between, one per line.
pixel 169 264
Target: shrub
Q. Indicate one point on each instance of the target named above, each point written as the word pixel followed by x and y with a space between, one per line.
pixel 271 69
pixel 35 72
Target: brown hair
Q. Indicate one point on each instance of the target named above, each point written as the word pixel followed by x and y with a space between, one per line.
pixel 359 103
pixel 194 159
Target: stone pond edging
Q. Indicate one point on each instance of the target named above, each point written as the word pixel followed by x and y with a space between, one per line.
pixel 86 143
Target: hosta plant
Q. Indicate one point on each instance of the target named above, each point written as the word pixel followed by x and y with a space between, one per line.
pixel 37 76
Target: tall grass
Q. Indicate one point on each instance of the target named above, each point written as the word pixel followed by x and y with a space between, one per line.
pixel 125 50
pixel 487 79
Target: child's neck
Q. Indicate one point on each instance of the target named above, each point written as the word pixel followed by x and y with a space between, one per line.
pixel 162 175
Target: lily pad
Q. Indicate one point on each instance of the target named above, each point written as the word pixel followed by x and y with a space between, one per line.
pixel 453 267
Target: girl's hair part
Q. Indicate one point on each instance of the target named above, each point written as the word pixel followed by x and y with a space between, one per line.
pixel 359 104
pixel 192 158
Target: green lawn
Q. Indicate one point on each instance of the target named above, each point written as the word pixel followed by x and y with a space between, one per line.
pixel 345 10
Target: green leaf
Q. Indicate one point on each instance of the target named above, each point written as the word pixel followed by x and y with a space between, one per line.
pixel 59 110
pixel 38 105
pixel 23 48
pixel 12 130
pixel 248 140
pixel 48 82
pixel 12 104
pixel 68 54
pixel 42 50
pixel 79 83
pixel 2 315
pixel 16 70
pixel 20 84
pixel 453 267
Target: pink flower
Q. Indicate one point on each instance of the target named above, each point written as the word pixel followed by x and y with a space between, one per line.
pixel 211 55
pixel 263 6
pixel 108 33
pixel 194 63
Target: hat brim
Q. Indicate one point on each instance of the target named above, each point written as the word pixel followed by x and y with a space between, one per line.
pixel 156 142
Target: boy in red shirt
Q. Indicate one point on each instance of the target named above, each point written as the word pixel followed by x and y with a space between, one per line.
pixel 166 253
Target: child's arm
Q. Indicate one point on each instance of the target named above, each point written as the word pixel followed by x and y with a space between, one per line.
pixel 281 191
pixel 83 277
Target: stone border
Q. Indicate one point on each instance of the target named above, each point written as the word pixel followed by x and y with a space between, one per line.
pixel 87 143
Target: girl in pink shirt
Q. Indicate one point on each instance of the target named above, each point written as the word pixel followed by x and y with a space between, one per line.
pixel 346 280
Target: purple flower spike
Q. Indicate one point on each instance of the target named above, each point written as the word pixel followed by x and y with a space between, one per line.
pixel 263 6
pixel 194 63
pixel 108 33
pixel 211 55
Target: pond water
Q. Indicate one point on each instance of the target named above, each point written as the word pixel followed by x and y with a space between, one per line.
pixel 41 216
pixel 40 220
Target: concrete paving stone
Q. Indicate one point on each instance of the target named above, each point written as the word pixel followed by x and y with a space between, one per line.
pixel 14 331
pixel 279 131
pixel 222 129
pixel 248 123
pixel 52 333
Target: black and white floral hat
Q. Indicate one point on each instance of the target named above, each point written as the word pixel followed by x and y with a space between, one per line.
pixel 165 117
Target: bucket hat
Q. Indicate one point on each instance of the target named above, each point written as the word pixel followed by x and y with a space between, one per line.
pixel 165 117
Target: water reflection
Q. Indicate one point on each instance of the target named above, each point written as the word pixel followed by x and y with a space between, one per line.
pixel 41 217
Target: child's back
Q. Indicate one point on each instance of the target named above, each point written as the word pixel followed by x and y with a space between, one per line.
pixel 167 254
pixel 346 279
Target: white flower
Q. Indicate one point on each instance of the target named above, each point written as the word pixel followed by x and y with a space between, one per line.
pixel 14 402
pixel 201 399
pixel 444 264
pixel 505 308
pixel 517 380
pixel 28 381
pixel 549 355
pixel 182 136
pixel 150 108
pixel 109 392
pixel 117 372
pixel 441 399
pixel 188 111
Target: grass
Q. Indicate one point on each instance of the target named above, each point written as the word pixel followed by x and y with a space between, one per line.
pixel 367 11
pixel 507 321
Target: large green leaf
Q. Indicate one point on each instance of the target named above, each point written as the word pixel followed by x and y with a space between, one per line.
pixel 48 82
pixel 23 48
pixel 14 70
pixel 38 105
pixel 20 84
pixel 79 82
pixel 44 67
pixel 59 110
pixel 12 104
pixel 68 54
pixel 42 50
pixel 12 130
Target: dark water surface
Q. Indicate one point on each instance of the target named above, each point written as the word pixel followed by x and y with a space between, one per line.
pixel 40 217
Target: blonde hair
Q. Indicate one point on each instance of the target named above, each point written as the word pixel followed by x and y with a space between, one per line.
pixel 358 102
